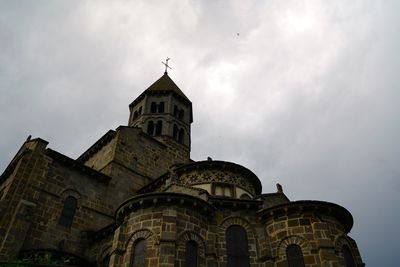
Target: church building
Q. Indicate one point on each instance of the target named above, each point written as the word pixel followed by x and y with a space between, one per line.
pixel 136 198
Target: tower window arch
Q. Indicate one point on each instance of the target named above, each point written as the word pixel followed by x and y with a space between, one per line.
pixel 161 107
pixel 181 114
pixel 153 107
pixel 150 127
pixel 159 128
pixel 176 111
pixel 139 254
pixel 348 257
pixel 68 211
pixel 140 110
pixel 294 256
pixel 237 248
pixel 181 136
pixel 191 252
pixel 175 132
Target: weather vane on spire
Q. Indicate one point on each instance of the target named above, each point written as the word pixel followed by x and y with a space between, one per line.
pixel 166 65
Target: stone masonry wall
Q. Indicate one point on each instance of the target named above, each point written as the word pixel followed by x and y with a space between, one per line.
pixel 315 235
pixel 152 157
pixel 166 229
pixel 17 204
pixel 93 211
pixel 102 157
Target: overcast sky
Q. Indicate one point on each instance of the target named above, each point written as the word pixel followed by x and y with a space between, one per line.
pixel 304 93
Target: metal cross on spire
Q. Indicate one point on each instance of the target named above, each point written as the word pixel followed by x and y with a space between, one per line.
pixel 166 65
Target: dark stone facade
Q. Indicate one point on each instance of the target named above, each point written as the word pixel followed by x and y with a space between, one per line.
pixel 138 183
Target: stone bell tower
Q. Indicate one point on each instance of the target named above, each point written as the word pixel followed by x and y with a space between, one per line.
pixel 164 112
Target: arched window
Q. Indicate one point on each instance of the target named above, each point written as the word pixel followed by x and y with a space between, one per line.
pixel 348 257
pixel 139 254
pixel 140 110
pixel 191 254
pixel 153 107
pixel 150 128
pixel 180 136
pixel 161 107
pixel 181 114
pixel 237 247
pixel 176 111
pixel 159 128
pixel 175 133
pixel 294 256
pixel 68 211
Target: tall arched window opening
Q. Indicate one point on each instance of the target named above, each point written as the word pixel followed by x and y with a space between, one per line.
pixel 176 111
pixel 348 257
pixel 237 248
pixel 161 107
pixel 139 254
pixel 180 136
pixel 294 256
pixel 191 254
pixel 181 114
pixel 68 211
pixel 150 128
pixel 153 107
pixel 175 133
pixel 159 128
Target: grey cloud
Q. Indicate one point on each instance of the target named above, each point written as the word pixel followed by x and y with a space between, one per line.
pixel 305 96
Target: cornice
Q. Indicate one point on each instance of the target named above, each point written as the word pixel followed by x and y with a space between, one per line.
pixel 314 206
pixel 164 198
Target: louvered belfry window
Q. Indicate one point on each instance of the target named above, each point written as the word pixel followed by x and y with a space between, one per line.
pixel 68 211
pixel 294 256
pixel 237 247
pixel 191 254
